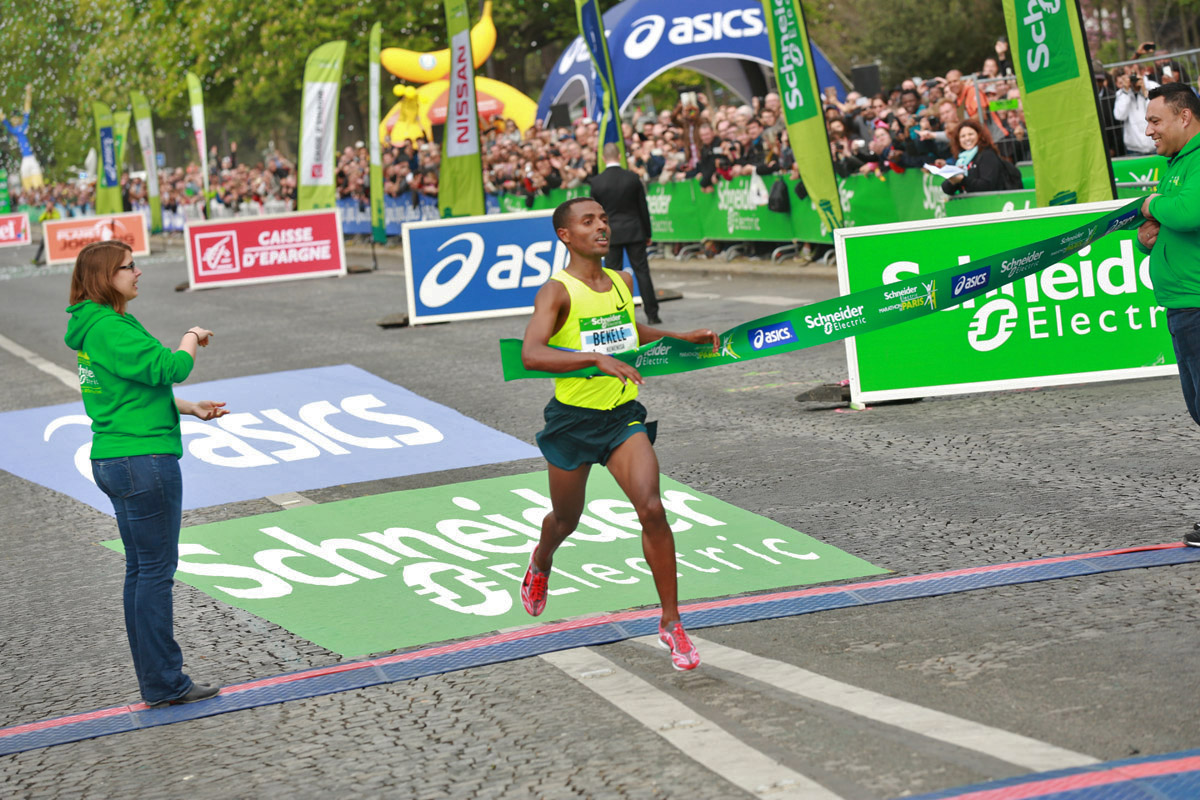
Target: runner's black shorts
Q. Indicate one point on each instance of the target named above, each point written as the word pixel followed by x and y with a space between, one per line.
pixel 575 435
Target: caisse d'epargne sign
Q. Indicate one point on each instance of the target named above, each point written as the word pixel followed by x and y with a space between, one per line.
pixel 280 247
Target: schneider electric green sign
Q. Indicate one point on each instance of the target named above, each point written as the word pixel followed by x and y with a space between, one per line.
pixel 409 568
pixel 1090 317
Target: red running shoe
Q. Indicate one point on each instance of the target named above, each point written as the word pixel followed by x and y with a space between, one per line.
pixel 683 652
pixel 533 588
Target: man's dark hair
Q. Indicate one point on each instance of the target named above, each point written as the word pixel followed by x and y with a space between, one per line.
pixel 913 92
pixel 563 212
pixel 1178 96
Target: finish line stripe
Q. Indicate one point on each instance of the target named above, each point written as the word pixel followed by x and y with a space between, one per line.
pixel 580 632
pixel 1180 768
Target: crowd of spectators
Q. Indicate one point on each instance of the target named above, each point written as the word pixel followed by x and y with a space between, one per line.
pixel 918 122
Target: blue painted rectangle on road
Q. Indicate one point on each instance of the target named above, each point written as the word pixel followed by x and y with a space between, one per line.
pixel 476 267
pixel 286 431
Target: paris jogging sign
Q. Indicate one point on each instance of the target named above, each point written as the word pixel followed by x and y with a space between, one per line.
pixel 65 238
pixel 280 247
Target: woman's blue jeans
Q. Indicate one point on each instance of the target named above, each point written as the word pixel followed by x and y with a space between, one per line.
pixel 1184 325
pixel 147 496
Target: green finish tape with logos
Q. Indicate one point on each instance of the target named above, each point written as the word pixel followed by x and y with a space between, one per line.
pixel 866 310
pixel 1088 315
pixel 427 565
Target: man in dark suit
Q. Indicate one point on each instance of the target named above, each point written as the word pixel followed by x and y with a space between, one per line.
pixel 623 198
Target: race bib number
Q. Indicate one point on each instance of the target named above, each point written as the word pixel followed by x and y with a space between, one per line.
pixel 613 333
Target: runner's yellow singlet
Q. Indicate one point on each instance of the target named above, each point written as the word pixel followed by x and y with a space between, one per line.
pixel 600 322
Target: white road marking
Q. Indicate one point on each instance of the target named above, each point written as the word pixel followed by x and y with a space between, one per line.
pixel 772 300
pixel 290 500
pixel 71 379
pixel 1009 747
pixel 697 737
pixel 702 296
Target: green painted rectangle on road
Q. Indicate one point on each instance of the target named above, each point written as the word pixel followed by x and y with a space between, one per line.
pixel 426 565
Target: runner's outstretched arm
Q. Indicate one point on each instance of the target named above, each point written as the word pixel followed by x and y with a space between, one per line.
pixel 647 334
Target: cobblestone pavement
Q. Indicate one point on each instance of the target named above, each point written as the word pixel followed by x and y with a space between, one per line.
pixel 1098 665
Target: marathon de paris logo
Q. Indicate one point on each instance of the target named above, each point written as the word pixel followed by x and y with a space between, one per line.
pixel 219 252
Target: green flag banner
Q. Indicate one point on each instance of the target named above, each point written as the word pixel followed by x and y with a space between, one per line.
pixel 378 223
pixel 852 314
pixel 121 121
pixel 196 101
pixel 460 192
pixel 607 107
pixel 318 127
pixel 144 122
pixel 4 200
pixel 1051 59
pixel 108 189
pixel 801 99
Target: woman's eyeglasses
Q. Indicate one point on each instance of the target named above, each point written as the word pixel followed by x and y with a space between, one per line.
pixel 128 266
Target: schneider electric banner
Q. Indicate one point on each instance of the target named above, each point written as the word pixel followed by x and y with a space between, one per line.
pixel 1089 317
pixel 145 129
pixel 802 107
pixel 475 267
pixel 318 126
pixel 1051 60
pixel 287 432
pixel 196 101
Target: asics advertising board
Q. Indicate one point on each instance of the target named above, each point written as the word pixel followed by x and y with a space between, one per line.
pixel 66 237
pixel 279 247
pixel 1091 316
pixel 285 432
pixel 476 267
pixel 14 229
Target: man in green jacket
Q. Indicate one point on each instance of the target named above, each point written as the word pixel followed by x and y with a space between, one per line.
pixel 1171 233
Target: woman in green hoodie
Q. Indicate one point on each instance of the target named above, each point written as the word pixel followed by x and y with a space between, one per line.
pixel 125 376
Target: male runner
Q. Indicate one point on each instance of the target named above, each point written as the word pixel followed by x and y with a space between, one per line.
pixel 582 316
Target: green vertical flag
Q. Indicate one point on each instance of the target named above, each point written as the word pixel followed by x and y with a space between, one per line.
pixel 196 101
pixel 607 110
pixel 378 221
pixel 4 201
pixel 143 120
pixel 318 127
pixel 120 136
pixel 1051 59
pixel 801 99
pixel 460 192
pixel 108 189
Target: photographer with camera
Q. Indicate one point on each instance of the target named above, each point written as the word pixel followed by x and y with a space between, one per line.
pixel 1130 108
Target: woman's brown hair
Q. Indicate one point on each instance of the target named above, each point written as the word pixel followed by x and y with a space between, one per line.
pixel 94 269
pixel 985 138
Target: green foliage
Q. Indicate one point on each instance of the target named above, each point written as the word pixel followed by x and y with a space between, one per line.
pixel 249 57
pixel 908 37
